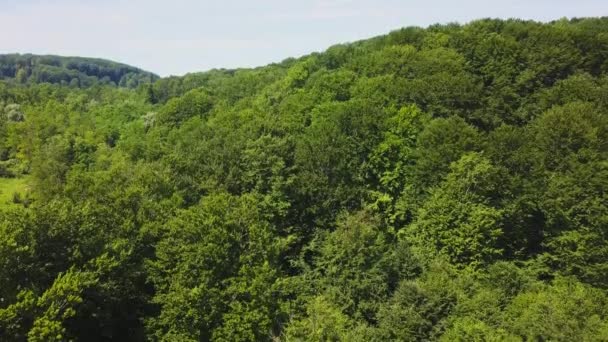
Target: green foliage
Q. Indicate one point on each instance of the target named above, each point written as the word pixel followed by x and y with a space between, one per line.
pixel 57 305
pixel 220 256
pixel 325 322
pixel 193 103
pixel 566 310
pixel 358 265
pixel 458 219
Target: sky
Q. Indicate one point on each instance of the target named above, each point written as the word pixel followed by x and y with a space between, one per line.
pixel 173 37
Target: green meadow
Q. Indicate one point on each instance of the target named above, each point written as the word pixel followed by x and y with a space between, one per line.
pixel 11 186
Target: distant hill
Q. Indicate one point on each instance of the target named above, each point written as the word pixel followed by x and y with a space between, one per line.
pixel 74 71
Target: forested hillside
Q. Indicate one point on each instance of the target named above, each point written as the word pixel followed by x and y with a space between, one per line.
pixel 72 71
pixel 439 184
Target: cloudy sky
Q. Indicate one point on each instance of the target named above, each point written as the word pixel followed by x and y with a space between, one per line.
pixel 178 36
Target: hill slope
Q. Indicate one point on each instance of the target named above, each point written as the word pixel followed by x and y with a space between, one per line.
pixel 73 71
pixel 438 184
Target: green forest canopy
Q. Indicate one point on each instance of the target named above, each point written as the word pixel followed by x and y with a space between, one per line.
pixel 444 183
pixel 72 71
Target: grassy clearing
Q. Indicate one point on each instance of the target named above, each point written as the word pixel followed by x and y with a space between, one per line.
pixel 10 186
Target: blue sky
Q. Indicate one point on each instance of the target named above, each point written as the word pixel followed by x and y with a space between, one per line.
pixel 179 36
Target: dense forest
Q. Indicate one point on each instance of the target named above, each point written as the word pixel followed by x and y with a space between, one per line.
pixel 75 72
pixel 447 183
